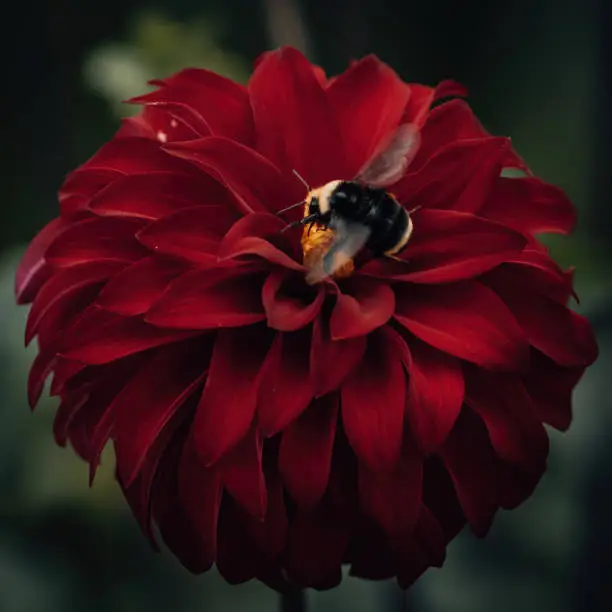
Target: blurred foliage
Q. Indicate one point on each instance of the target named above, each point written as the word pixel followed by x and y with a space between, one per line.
pixel 157 47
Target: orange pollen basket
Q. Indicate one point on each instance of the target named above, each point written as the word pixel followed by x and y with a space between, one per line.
pixel 315 242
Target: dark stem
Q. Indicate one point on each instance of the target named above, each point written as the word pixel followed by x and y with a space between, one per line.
pixel 293 601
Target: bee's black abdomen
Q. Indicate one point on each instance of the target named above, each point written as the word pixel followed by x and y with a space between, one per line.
pixel 374 208
pixel 387 238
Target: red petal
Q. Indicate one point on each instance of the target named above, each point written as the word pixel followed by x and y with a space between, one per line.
pixel 63 313
pixel 139 495
pixel 448 246
pixel 459 176
pixel 270 534
pixel 369 101
pixel 210 299
pixel 133 291
pixel 320 74
pixel 293 118
pixel 242 475
pixel 422 97
pixel 79 432
pixel 100 436
pixel 285 386
pixel 435 395
pixel 370 553
pixel 62 285
pixel 193 234
pixel 220 103
pixel 449 122
pixel 183 536
pixel 63 371
pixel 71 404
pixel 166 120
pixel 530 205
pixel 164 493
pixel 503 404
pixel 238 560
pixel 440 496
pixel 81 186
pixel 563 335
pixel 32 270
pixel 427 549
pixel 519 483
pixel 305 454
pixel 84 428
pixel 100 337
pixel 39 372
pixel 373 399
pixel 538 271
pixel 126 156
pixel 286 309
pixel 156 195
pixel 117 157
pixel 332 360
pixel 363 305
pixel 317 541
pixel 211 220
pixel 166 123
pixel 227 406
pixel 259 249
pixel 134 127
pixel 97 239
pixel 449 88
pixel 151 399
pixel 254 181
pixel 256 233
pixel 550 387
pixel 52 330
pixel 470 461
pixel 394 499
pixel 419 103
pixel 464 319
pixel 200 491
pixel 244 545
pixel 454 121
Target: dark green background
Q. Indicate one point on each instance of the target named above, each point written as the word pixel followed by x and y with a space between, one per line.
pixel 539 71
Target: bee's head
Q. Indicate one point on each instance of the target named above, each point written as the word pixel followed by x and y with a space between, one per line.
pixel 318 201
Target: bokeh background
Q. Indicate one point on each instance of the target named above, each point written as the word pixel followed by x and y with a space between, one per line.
pixel 539 71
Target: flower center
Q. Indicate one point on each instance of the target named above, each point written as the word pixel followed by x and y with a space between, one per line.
pixel 316 239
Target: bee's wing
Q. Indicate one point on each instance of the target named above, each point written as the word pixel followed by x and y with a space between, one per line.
pixel 390 164
pixel 349 239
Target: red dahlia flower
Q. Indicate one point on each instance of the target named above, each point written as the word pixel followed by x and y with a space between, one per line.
pixel 280 429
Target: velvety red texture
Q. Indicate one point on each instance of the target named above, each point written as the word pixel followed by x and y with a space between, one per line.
pixel 278 429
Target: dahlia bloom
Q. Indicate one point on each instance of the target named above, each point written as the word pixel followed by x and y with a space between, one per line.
pixel 279 429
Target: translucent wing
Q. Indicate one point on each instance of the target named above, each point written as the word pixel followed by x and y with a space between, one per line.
pixel 349 239
pixel 389 165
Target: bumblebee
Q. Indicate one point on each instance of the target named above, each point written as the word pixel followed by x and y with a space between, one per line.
pixel 360 212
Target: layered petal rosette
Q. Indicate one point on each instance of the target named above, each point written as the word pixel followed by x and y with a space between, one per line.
pixel 279 429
